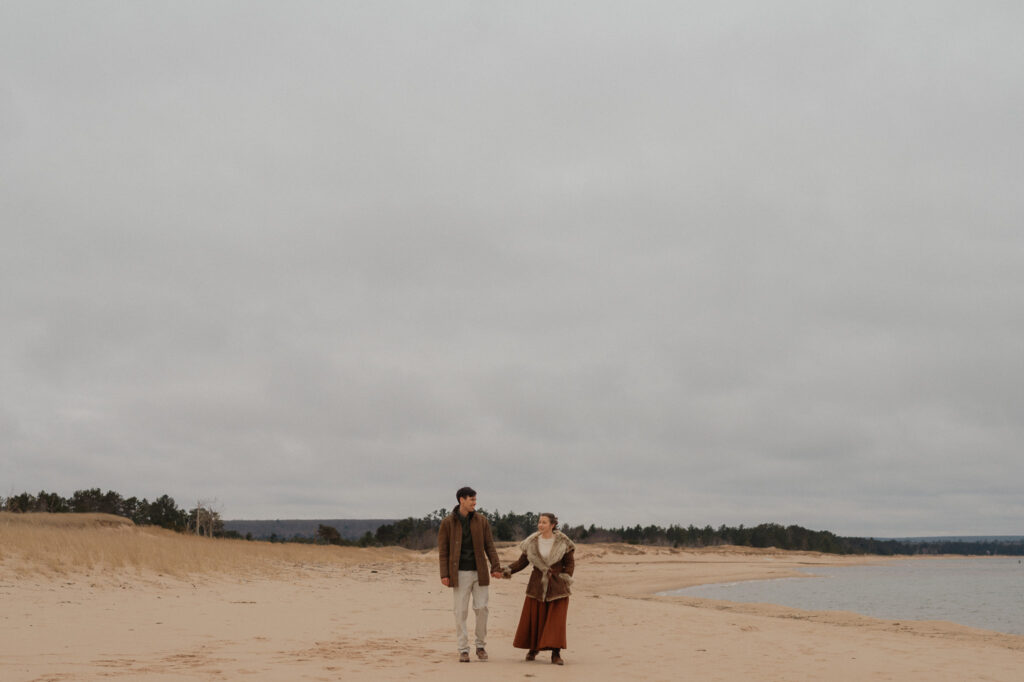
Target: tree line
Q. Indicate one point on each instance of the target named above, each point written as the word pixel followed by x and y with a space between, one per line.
pixel 510 526
pixel 163 511
pixel 421 533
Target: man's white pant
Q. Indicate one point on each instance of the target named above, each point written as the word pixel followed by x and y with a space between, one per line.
pixel 469 582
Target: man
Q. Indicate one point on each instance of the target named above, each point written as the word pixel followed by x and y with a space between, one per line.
pixel 464 546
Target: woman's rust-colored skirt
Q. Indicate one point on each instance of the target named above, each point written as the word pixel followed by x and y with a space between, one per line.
pixel 542 624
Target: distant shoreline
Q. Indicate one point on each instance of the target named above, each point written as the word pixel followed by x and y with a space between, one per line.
pixel 285 529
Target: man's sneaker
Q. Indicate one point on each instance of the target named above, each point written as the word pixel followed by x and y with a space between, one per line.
pixel 481 654
pixel 463 657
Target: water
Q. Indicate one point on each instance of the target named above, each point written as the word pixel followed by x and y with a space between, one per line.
pixel 984 593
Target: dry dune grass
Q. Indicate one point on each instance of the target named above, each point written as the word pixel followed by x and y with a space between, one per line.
pixel 74 543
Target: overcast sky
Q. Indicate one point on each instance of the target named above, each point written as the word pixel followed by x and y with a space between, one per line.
pixel 628 262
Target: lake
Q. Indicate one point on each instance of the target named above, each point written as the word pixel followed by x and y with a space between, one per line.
pixel 984 593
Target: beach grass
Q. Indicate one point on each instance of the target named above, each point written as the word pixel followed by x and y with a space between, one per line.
pixel 59 544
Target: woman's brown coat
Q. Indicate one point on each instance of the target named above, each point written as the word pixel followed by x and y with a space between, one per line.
pixel 550 580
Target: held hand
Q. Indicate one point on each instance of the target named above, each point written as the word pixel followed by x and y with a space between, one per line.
pixel 446 582
pixel 496 574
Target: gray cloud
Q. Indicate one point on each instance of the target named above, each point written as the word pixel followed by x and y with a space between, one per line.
pixel 635 265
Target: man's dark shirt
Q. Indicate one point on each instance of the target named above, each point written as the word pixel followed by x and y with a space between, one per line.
pixel 467 557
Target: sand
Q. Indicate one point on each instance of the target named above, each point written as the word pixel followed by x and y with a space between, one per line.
pixel 381 614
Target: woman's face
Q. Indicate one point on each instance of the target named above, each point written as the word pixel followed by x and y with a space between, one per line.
pixel 544 525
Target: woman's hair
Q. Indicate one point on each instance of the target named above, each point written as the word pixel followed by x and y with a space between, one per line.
pixel 552 518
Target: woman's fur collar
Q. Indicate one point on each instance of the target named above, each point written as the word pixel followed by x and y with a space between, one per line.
pixel 531 548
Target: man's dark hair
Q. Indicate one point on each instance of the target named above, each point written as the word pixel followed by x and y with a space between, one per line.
pixel 465 491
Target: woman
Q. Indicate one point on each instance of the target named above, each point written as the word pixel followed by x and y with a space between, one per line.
pixel 542 623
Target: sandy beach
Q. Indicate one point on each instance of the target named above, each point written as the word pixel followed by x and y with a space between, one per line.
pixel 253 611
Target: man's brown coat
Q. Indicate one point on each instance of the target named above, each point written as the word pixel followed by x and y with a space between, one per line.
pixel 449 546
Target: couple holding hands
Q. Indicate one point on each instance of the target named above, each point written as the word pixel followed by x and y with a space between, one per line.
pixel 465 548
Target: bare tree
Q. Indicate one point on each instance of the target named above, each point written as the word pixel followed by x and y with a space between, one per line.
pixel 205 519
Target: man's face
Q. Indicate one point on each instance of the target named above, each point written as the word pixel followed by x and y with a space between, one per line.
pixel 467 504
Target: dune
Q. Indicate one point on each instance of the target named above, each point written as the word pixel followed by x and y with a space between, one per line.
pixel 59 544
pixel 96 598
